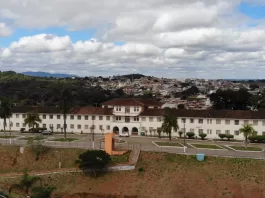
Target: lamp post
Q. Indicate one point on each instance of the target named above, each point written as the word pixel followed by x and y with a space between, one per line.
pixel 184 121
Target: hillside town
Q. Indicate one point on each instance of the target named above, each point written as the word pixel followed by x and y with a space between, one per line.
pixel 173 93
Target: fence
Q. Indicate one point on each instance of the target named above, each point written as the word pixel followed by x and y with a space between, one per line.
pixel 143 147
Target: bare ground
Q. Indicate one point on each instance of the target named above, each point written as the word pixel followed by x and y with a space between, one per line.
pixel 159 175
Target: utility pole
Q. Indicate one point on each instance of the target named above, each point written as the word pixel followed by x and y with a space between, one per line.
pixel 184 122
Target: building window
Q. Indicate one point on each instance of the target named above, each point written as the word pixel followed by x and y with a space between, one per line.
pixel 72 126
pixel 143 119
pixel 218 121
pixel 218 132
pixel 151 119
pixel 236 122
pixel 136 118
pixel 118 118
pixel 43 125
pixel 200 121
pixel 209 131
pixel 245 122
pixel 150 129
pixel 263 123
pixel 118 108
pixel 51 116
pixel 17 124
pixel 236 132
pixel 191 120
pixel 200 131
pixel 107 117
pixel 101 127
pixel 72 117
pixel 23 124
pixel 24 116
pixel 79 117
pixel 159 119
pixel 17 115
pixel 86 126
pixel 93 117
pixel 79 126
pixel 192 130
pixel 127 119
pixel 227 132
pixel 255 122
pixel 58 117
pixel 100 117
pixel 43 116
pixel 136 109
pixel 86 117
pixel 209 121
pixel 227 122
pixel 108 127
pixel 58 126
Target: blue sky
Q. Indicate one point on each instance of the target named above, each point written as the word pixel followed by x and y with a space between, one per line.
pixel 253 11
pixel 171 40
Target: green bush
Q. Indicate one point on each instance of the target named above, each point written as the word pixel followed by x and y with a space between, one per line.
pixel 222 136
pixel 22 130
pixel 190 134
pixel 257 138
pixel 229 136
pixel 180 134
pixel 202 135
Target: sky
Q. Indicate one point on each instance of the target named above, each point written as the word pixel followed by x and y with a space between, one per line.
pixel 165 38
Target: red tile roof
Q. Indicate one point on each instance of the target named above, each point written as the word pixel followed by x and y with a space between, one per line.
pixel 90 110
pixel 132 102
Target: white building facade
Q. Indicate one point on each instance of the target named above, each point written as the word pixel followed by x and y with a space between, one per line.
pixel 133 116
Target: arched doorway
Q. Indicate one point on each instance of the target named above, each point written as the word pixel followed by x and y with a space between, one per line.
pixel 134 131
pixel 116 130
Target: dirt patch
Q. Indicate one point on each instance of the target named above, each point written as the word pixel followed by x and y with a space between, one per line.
pixel 166 175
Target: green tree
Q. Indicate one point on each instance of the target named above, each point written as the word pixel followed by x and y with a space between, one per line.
pixel 169 123
pixel 93 161
pixel 42 191
pixel 65 105
pixel 32 119
pixel 247 131
pixel 5 112
pixel 25 183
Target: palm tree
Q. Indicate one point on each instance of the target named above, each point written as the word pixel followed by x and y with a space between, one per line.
pixel 169 123
pixel 5 112
pixel 25 183
pixel 32 119
pixel 247 131
pixel 42 191
pixel 65 105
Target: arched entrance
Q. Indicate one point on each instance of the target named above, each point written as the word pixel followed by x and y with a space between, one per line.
pixel 134 131
pixel 116 130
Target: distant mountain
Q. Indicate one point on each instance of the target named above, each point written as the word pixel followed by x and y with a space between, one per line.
pixel 45 74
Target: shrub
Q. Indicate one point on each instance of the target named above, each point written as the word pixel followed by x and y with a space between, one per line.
pixel 22 130
pixel 253 138
pixel 202 135
pixel 190 135
pixel 229 136
pixel 180 134
pixel 93 161
pixel 222 136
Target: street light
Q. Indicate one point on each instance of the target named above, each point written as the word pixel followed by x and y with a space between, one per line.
pixel 184 121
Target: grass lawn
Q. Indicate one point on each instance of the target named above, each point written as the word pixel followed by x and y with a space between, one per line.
pixel 33 138
pixel 168 144
pixel 6 137
pixel 242 148
pixel 64 139
pixel 206 146
pixel 120 159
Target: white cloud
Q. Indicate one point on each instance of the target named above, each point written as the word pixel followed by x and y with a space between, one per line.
pixel 166 37
pixel 4 30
